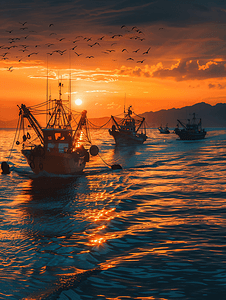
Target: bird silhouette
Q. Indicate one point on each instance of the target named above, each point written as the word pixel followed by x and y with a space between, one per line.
pixel 101 38
pixel 136 50
pixel 141 61
pixel 146 52
pixel 91 56
pixel 9 31
pixel 51 24
pixel 130 58
pixel 23 23
pixel 78 54
pixel 10 69
pixel 94 44
pixel 111 50
pixel 125 50
pixel 29 55
pixel 49 44
pixel 115 35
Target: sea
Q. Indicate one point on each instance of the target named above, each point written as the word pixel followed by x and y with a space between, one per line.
pixel 155 229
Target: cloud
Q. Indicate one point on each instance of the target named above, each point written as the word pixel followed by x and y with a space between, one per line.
pixel 216 86
pixel 190 69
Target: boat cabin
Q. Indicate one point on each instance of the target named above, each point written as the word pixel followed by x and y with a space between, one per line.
pixel 57 139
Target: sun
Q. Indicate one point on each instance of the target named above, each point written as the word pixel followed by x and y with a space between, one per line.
pixel 78 101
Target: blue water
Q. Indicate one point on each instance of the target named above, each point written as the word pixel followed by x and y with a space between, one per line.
pixel 153 230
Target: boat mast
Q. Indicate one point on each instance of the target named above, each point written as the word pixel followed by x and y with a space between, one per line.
pixel 47 90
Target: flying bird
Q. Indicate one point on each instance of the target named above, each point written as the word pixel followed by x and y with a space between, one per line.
pixel 130 58
pixel 136 50
pixel 9 31
pixel 101 38
pixel 146 52
pixel 10 69
pixel 23 23
pixel 112 50
pixel 51 24
pixel 90 56
pixel 116 35
pixel 49 45
pixel 78 54
pixel 94 44
pixel 32 53
pixel 125 50
pixel 141 61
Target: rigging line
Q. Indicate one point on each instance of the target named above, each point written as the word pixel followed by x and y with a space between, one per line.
pixel 98 127
pixel 36 105
pixel 104 161
pixel 14 138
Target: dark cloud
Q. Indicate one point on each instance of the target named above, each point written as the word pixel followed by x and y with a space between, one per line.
pixel 115 13
pixel 189 69
pixel 216 86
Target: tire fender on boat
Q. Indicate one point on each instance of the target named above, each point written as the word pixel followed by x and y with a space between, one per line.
pixel 94 150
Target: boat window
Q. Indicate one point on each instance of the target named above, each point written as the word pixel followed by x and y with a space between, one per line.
pixel 59 136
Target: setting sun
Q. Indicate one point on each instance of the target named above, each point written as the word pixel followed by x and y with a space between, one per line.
pixel 78 101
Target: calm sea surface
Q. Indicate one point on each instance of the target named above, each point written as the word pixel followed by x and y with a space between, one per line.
pixel 153 230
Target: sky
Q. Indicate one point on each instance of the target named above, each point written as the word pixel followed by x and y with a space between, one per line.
pixel 152 55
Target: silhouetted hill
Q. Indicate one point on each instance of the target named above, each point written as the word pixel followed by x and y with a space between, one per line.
pixel 212 116
pixel 8 124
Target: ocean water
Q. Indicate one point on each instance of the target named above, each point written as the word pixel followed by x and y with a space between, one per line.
pixel 153 230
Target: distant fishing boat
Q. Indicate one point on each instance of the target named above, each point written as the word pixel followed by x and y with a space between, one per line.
pixel 191 131
pixel 129 130
pixel 60 148
pixel 164 130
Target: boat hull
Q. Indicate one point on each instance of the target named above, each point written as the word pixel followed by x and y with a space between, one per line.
pixel 186 135
pixel 122 138
pixel 55 162
pixel 162 131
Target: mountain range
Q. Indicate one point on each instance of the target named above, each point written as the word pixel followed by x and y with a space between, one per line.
pixel 212 116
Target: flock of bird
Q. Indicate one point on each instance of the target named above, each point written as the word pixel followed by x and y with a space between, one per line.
pixel 16 44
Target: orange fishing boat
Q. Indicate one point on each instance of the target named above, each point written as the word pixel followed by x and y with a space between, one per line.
pixel 60 147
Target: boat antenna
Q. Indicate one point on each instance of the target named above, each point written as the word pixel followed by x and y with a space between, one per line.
pixel 47 90
pixel 69 92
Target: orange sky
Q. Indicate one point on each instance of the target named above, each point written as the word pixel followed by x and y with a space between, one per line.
pixel 151 62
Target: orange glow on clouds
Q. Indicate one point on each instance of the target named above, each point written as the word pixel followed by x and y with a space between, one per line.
pixel 156 69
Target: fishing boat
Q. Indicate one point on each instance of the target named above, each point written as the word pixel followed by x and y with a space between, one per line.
pixel 164 130
pixel 128 130
pixel 57 148
pixel 192 130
